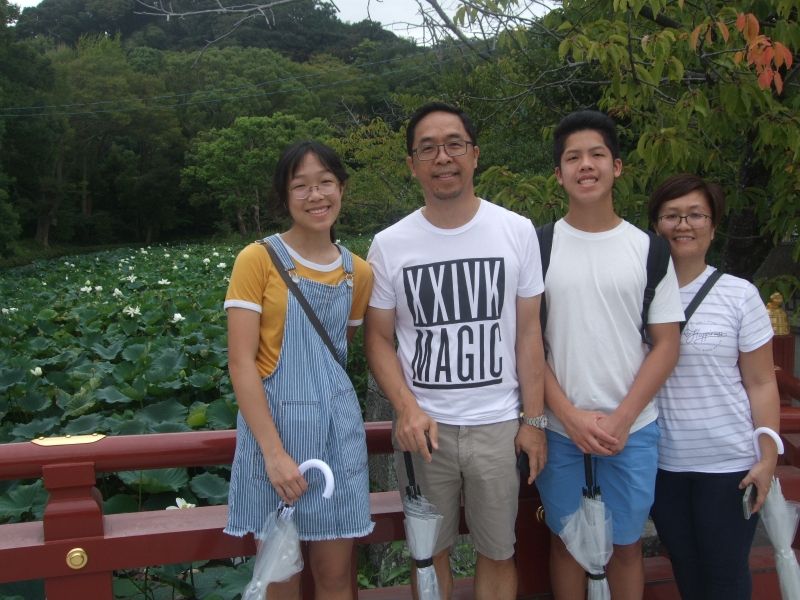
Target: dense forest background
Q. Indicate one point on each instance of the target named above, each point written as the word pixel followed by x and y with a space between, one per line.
pixel 122 127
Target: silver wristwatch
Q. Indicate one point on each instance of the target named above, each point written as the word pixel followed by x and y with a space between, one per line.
pixel 539 422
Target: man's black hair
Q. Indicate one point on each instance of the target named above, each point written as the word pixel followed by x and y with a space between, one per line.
pixel 426 109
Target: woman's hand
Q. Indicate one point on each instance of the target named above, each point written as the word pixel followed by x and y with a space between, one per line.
pixel 285 476
pixel 761 476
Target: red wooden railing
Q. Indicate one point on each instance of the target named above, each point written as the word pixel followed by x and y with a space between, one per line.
pixel 75 548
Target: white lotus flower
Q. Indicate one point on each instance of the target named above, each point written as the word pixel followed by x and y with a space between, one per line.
pixel 221 265
pixel 206 261
pixel 185 256
pixel 98 288
pixel 36 371
pixel 164 282
pixel 178 317
pixel 181 503
pixel 132 311
pixel 117 293
pixel 86 288
pixel 215 254
pixel 166 254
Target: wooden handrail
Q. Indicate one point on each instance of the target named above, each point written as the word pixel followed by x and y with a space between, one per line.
pixel 74 526
pixel 24 460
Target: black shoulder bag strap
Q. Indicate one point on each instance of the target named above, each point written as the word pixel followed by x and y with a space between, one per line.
pixel 312 317
pixel 545 235
pixel 698 297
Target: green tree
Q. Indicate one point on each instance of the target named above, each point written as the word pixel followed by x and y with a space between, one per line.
pixel 381 189
pixel 698 87
pixel 232 167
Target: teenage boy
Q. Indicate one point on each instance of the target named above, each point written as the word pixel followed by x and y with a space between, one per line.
pixel 458 282
pixel 601 378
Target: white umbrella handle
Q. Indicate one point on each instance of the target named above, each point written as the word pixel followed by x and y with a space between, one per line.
pixel 771 433
pixel 315 463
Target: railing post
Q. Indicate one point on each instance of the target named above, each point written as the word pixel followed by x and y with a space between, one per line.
pixel 74 511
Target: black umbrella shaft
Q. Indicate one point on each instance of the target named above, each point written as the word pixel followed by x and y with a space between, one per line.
pixel 591 490
pixel 412 489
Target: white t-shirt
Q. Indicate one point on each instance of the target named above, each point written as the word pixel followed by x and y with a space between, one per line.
pixel 704 411
pixel 594 288
pixel 454 292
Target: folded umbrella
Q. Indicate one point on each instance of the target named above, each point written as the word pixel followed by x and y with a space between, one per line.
pixel 587 534
pixel 422 525
pixel 780 520
pixel 279 557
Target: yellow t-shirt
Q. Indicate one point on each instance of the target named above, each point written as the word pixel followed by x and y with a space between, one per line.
pixel 256 285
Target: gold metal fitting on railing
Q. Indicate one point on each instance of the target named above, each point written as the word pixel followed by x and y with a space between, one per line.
pixel 77 558
pixel 540 514
pixel 67 440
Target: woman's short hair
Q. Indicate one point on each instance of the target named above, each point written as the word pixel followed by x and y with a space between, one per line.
pixel 682 184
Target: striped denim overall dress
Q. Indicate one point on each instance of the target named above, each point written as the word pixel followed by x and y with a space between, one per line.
pixel 317 414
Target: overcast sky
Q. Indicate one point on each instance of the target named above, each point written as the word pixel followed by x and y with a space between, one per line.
pixel 394 15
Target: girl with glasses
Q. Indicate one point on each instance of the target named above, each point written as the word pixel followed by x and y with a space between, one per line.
pixel 295 399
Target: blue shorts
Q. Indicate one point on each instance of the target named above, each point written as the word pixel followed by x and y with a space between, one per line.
pixel 627 482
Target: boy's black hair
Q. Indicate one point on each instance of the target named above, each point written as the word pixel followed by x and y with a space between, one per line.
pixel 682 184
pixel 582 120
pixel 426 109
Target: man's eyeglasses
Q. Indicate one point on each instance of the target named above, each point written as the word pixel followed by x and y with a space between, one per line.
pixel 694 219
pixel 302 191
pixel 452 148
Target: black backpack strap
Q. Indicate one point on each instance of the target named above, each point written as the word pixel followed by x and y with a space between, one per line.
pixel 698 297
pixel 545 236
pixel 657 263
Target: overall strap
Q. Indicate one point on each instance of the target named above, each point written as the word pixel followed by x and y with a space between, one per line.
pixel 347 260
pixel 698 297
pixel 657 263
pixel 285 259
pixel 283 271
pixel 545 236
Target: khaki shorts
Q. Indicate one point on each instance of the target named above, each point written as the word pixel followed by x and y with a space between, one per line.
pixel 477 463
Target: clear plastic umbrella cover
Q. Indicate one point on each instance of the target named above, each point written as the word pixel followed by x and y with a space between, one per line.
pixel 279 557
pixel 422 525
pixel 780 520
pixel 587 534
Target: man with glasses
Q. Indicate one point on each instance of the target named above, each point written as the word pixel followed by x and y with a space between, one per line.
pixel 458 283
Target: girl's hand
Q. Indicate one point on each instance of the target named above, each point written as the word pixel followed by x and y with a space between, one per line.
pixel 761 476
pixel 285 476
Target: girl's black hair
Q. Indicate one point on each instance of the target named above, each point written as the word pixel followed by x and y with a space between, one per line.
pixel 290 160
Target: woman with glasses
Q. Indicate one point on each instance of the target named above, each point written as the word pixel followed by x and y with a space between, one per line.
pixel 721 390
pixel 295 399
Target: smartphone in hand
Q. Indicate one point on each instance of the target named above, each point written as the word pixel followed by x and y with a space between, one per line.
pixel 749 500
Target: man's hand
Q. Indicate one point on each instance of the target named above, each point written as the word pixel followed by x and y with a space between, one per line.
pixel 583 428
pixel 533 442
pixel 415 430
